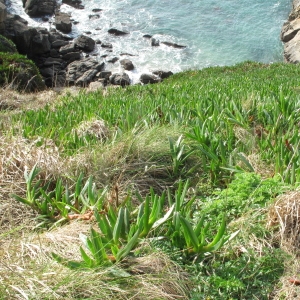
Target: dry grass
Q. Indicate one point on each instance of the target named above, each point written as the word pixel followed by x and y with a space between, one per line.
pixel 284 215
pixel 284 221
pixel 96 128
pixel 27 271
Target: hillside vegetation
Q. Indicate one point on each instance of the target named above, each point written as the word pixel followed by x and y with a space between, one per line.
pixel 187 189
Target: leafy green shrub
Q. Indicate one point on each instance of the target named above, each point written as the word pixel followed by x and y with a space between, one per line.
pixel 20 73
pixel 7 45
pixel 248 276
pixel 247 191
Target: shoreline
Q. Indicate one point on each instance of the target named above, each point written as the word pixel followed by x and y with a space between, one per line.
pixel 57 53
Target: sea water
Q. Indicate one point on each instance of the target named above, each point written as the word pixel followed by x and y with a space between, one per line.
pixel 214 32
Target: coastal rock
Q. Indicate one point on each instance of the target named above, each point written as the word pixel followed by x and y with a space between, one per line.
pixel 94 17
pixel 82 72
pixel 63 22
pixel 127 64
pixel 117 32
pixel 86 78
pixel 59 43
pixel 104 74
pixel 71 56
pixel 163 74
pixel 67 48
pixel 40 42
pixel 149 78
pixel 292 50
pixel 50 62
pixel 173 45
pixel 289 30
pixel 290 35
pixel 85 43
pixel 121 79
pixel 74 3
pixel 112 60
pixel 106 45
pixel 154 42
pixel 38 8
pixel 295 13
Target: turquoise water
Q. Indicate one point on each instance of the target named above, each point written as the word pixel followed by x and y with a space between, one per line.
pixel 215 32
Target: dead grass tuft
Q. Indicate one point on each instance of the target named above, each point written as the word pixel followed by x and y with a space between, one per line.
pixel 27 271
pixel 284 215
pixel 17 155
pixel 96 128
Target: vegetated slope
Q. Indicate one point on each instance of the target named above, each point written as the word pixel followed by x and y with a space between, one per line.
pixel 202 126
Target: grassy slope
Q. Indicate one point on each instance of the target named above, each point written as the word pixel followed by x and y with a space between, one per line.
pixel 235 120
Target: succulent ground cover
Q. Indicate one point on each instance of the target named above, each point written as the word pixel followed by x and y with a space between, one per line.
pixel 187 189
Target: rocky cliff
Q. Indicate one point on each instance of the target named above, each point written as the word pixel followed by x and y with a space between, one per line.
pixel 290 34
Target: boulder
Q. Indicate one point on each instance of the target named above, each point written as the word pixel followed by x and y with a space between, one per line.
pixel 154 42
pixel 63 22
pixel 173 45
pixel 71 56
pixel 163 74
pixel 77 71
pixel 106 45
pixel 59 43
pixel 85 43
pixel 121 79
pixel 94 17
pixel 50 61
pixel 86 78
pixel 38 8
pixel 149 78
pixel 117 32
pixel 67 48
pixel 74 3
pixel 112 60
pixel 104 74
pixel 127 64
pixel 40 42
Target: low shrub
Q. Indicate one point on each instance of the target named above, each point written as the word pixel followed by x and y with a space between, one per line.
pixel 19 73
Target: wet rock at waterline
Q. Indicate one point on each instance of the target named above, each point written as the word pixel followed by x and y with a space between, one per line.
pixel 38 8
pixel 127 64
pixel 85 43
pixel 63 22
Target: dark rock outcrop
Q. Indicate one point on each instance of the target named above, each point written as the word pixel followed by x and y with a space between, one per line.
pixel 83 72
pixel 163 74
pixel 174 45
pixel 121 79
pixel 117 32
pixel 74 3
pixel 38 8
pixel 85 43
pixel 127 64
pixel 154 42
pixel 149 78
pixel 63 22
